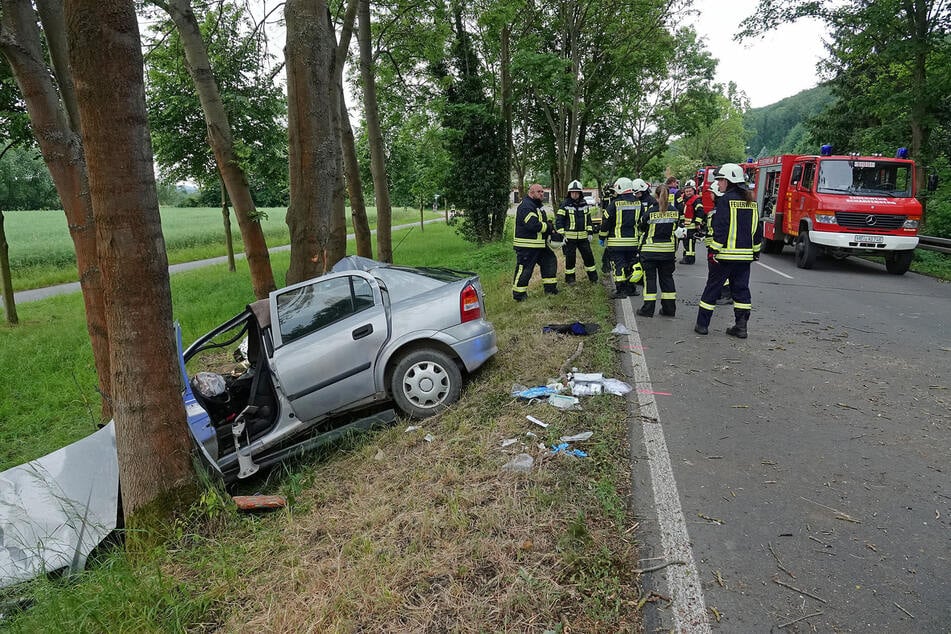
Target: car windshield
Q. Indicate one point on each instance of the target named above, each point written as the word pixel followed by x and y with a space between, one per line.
pixel 865 177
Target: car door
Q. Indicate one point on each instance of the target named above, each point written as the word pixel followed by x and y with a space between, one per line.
pixel 328 333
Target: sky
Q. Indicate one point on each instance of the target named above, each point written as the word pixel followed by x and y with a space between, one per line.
pixel 767 69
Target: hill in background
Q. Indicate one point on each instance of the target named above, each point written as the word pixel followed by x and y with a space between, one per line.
pixel 779 128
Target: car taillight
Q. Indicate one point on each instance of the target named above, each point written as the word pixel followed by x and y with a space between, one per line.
pixel 469 306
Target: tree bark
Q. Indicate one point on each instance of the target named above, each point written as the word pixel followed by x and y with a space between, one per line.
pixel 315 214
pixel 222 144
pixel 151 439
pixel 6 281
pixel 62 151
pixel 384 222
pixel 226 219
pixel 351 165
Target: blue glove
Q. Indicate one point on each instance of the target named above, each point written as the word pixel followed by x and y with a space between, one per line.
pixel 601 242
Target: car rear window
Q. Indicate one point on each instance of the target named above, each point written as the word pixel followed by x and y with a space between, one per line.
pixel 402 283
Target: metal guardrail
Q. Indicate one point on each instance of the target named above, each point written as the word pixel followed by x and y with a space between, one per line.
pixel 930 243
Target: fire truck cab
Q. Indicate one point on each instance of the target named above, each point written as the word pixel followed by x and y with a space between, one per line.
pixel 840 205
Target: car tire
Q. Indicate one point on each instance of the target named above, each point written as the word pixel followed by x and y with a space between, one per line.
pixel 425 382
pixel 898 262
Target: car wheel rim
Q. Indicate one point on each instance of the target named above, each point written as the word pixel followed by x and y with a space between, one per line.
pixel 426 384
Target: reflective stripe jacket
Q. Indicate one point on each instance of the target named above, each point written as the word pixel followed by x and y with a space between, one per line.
pixel 735 231
pixel 531 224
pixel 574 219
pixel 658 227
pixel 619 223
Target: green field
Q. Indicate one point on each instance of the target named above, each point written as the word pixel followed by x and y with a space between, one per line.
pixel 42 254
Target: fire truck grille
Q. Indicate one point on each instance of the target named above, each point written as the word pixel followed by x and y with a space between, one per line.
pixel 859 220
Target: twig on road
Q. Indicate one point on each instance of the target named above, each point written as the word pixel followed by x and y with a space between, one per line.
pixel 904 610
pixel 839 514
pixel 779 563
pixel 795 589
pixel 801 618
pixel 640 571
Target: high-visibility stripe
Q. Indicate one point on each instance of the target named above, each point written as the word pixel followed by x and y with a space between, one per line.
pixel 707 306
pixel 650 297
pixel 742 306
pixel 668 295
pixel 549 280
pixel 530 243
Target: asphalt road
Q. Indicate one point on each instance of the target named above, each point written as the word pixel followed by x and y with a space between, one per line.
pixel 815 454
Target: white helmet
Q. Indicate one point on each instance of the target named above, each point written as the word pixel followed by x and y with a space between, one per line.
pixel 575 186
pixel 624 186
pixel 732 172
pixel 690 183
pixel 640 185
pixel 680 233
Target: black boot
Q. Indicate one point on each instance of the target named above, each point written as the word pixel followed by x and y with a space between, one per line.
pixel 700 330
pixel 592 276
pixel 737 331
pixel 569 279
pixel 647 310
pixel 668 307
pixel 620 290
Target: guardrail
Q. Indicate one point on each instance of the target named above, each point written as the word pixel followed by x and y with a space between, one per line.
pixel 929 243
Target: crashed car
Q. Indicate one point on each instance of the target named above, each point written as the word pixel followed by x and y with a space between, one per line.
pixel 329 353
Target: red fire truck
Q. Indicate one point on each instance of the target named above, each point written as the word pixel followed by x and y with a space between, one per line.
pixel 840 205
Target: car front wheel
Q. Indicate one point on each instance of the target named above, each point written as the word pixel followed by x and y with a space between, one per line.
pixel 425 382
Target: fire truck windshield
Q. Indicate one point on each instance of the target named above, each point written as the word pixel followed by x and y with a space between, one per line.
pixel 865 177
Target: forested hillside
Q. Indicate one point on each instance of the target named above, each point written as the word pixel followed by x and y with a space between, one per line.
pixel 780 127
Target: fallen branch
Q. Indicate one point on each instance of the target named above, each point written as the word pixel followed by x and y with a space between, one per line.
pixel 640 571
pixel 563 377
pixel 779 563
pixel 904 610
pixel 801 618
pixel 839 514
pixel 795 589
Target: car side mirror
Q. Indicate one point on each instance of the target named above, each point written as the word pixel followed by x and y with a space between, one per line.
pixel 932 182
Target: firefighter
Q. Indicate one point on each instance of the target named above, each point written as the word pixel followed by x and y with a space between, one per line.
pixel 619 232
pixel 607 193
pixel 733 243
pixel 660 226
pixel 573 221
pixel 532 230
pixel 691 204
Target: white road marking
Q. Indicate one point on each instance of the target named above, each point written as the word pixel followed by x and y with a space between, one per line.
pixel 788 277
pixel 683 581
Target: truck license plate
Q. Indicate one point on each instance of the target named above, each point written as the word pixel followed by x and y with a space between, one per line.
pixel 861 238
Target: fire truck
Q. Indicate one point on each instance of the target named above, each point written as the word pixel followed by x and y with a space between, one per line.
pixel 840 205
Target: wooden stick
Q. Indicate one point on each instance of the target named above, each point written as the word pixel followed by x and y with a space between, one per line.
pixel 801 618
pixel 904 610
pixel 795 589
pixel 779 563
pixel 641 571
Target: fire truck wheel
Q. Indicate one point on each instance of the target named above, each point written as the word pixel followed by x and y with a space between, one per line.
pixel 805 251
pixel 897 262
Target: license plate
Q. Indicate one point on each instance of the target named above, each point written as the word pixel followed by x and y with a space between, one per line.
pixel 860 238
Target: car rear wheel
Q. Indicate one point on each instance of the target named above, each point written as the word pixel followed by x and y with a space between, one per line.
pixel 425 382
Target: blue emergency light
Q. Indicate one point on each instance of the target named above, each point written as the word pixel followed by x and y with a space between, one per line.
pixel 749 159
pixel 825 150
pixel 902 153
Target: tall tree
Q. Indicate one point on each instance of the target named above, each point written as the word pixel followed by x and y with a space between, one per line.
pixel 889 65
pixel 57 133
pixel 315 216
pixel 223 144
pixel 153 447
pixel 381 188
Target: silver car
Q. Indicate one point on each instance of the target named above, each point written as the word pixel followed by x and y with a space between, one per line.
pixel 332 353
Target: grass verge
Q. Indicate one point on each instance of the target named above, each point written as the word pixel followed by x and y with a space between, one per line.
pixel 387 532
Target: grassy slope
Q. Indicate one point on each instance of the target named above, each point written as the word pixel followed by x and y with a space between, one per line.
pixel 385 532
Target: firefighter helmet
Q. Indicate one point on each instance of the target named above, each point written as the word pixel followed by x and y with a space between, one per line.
pixel 680 233
pixel 575 186
pixel 624 186
pixel 690 183
pixel 640 185
pixel 556 240
pixel 731 172
pixel 637 274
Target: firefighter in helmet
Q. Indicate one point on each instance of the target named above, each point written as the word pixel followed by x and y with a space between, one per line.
pixel 573 221
pixel 733 243
pixel 619 231
pixel 692 206
pixel 533 230
pixel 660 226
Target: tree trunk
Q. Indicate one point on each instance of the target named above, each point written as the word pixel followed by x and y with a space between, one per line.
pixel 6 281
pixel 358 207
pixel 222 144
pixel 62 151
pixel 384 222
pixel 152 443
pixel 226 218
pixel 505 62
pixel 318 235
